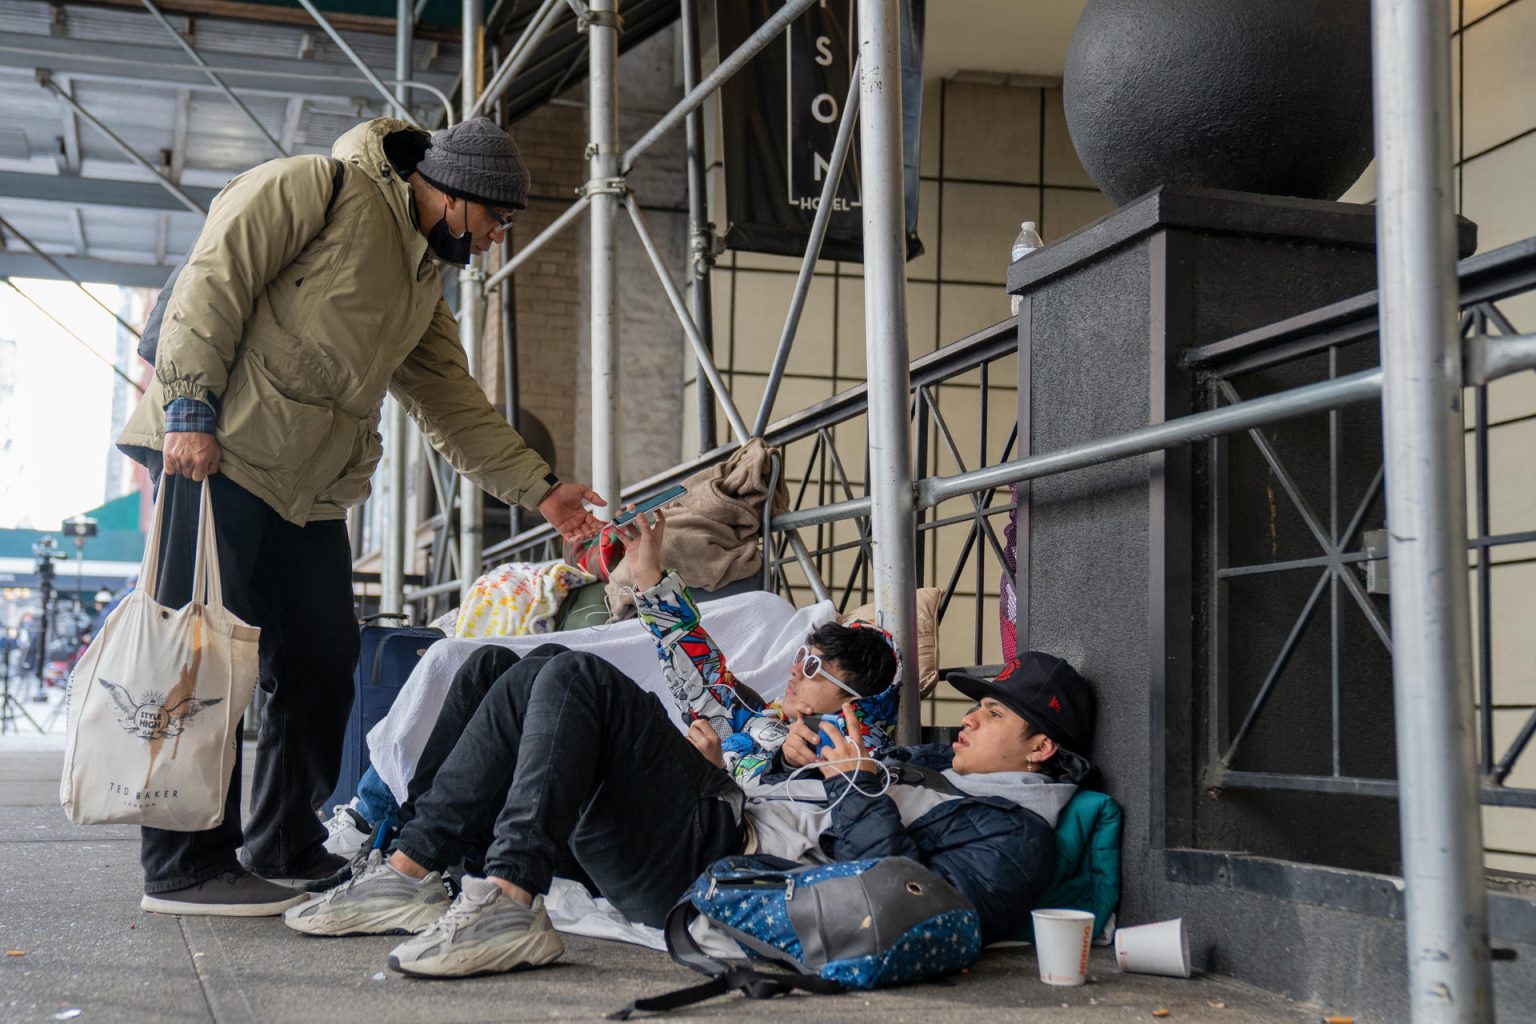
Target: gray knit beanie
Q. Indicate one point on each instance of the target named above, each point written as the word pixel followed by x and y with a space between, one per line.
pixel 476 160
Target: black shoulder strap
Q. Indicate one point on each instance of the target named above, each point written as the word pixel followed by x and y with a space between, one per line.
pixel 337 173
pixel 723 977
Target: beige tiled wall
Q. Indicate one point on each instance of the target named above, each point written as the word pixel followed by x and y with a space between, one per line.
pixel 994 152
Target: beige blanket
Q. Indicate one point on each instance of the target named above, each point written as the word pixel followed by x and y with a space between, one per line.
pixel 714 532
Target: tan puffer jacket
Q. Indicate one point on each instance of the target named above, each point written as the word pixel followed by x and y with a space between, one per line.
pixel 295 325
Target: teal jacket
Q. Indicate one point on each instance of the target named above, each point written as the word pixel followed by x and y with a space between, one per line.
pixel 1087 860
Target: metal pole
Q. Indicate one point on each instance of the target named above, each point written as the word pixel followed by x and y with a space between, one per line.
pixel 603 170
pixel 471 316
pixel 885 340
pixel 507 269
pixel 756 42
pixel 24 240
pixel 701 233
pixel 521 53
pixel 65 328
pixel 690 329
pixel 392 557
pixel 813 245
pixel 46 81
pixel 361 65
pixel 213 76
pixel 405 42
pixel 1444 900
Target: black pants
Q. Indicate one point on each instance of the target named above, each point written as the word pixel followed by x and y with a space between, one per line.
pixel 295 583
pixel 559 754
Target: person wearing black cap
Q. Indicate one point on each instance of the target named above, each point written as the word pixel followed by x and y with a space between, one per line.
pixel 311 293
pixel 655 809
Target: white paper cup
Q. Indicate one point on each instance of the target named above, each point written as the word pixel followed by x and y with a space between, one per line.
pixel 1061 945
pixel 1161 948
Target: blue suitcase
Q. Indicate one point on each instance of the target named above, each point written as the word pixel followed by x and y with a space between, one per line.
pixel 385 661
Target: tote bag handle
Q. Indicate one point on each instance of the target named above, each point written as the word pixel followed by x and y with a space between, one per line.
pixel 207 581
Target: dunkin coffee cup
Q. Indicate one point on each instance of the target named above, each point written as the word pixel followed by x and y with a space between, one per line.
pixel 1061 945
pixel 1161 948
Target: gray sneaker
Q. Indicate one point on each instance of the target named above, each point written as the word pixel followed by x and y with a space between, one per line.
pixel 376 900
pixel 232 894
pixel 484 932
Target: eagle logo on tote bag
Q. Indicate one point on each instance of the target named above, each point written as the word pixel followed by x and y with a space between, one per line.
pixel 148 718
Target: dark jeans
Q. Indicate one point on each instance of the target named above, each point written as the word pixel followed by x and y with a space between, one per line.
pixel 295 583
pixel 560 753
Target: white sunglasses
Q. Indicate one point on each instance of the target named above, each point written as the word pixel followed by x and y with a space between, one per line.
pixel 811 665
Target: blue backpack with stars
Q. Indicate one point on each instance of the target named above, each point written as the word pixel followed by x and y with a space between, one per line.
pixel 853 925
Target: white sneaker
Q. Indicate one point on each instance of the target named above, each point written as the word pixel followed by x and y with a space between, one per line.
pixel 376 900
pixel 346 830
pixel 484 932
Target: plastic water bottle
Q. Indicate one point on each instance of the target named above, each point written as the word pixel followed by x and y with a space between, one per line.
pixel 1027 242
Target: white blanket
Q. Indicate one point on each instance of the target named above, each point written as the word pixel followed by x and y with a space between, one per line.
pixel 758 633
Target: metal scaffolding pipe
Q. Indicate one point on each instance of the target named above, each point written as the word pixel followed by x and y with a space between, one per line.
pixel 508 268
pixel 358 62
pixel 24 240
pixel 471 315
pixel 892 518
pixel 46 80
pixel 392 555
pixel 1200 426
pixel 813 245
pixel 603 188
pixel 213 76
pixel 701 233
pixel 690 329
pixel 735 62
pixel 522 51
pixel 1445 904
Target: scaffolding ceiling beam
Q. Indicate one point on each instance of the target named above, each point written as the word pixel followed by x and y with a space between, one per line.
pixel 122 195
pixel 167 65
pixel 128 275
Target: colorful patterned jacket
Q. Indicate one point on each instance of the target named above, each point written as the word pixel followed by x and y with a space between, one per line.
pixel 751 732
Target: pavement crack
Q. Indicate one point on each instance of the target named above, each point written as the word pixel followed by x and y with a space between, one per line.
pixel 222 992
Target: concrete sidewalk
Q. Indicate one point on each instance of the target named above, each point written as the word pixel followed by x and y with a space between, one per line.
pixel 69 903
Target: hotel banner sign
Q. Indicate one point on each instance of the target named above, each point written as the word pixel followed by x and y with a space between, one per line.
pixel 780 116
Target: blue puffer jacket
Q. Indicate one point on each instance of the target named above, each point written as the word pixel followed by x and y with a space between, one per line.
pixel 1001 855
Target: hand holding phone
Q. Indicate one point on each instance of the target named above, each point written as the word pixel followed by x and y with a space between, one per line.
pixel 825 742
pixel 650 505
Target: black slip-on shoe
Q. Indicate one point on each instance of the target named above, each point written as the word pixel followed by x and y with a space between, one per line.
pixel 232 894
pixel 322 868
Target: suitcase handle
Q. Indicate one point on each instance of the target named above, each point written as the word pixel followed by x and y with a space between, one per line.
pixel 369 620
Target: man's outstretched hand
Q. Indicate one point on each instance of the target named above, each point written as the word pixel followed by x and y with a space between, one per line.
pixel 191 454
pixel 563 507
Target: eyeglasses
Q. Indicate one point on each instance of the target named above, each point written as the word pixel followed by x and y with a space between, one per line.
pixel 502 218
pixel 810 666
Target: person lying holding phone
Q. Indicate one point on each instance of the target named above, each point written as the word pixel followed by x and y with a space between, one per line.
pixel 556 759
pixel 842 673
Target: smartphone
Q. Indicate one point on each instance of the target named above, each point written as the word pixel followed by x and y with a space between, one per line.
pixel 650 504
pixel 824 742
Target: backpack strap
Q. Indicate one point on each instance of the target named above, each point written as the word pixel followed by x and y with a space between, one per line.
pixel 337 173
pixel 723 977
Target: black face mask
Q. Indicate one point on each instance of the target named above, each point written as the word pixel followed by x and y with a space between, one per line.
pixel 449 247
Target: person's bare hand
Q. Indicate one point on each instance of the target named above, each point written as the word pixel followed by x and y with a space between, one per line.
pixel 799 747
pixel 194 455
pixel 704 739
pixel 564 508
pixel 846 754
pixel 644 551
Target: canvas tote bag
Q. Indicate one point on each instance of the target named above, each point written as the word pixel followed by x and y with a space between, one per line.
pixel 155 701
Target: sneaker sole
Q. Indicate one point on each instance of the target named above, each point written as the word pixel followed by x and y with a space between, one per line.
pixel 533 950
pixel 392 921
pixel 156 905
